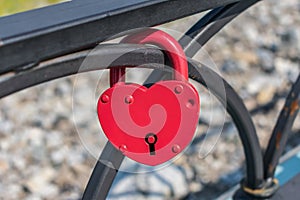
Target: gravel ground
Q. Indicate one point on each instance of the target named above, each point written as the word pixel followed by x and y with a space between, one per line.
pixel 42 156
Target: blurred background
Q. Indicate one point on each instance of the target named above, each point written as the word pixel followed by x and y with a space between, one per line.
pixel 8 7
pixel 42 156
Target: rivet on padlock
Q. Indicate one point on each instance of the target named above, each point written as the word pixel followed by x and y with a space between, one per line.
pixel 151 125
pixel 178 89
pixel 104 98
pixel 129 99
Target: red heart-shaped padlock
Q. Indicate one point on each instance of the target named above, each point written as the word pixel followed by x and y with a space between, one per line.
pixel 149 125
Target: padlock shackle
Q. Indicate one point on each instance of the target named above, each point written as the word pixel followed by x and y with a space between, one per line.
pixel 117 75
pixel 164 41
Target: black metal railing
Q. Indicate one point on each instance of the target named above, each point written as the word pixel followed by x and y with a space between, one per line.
pixel 35 48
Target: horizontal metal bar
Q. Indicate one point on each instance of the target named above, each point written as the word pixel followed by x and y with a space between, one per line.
pixel 34 36
pixel 103 57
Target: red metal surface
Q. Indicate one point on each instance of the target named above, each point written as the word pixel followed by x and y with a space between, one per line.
pixel 164 41
pixel 151 125
pixel 158 110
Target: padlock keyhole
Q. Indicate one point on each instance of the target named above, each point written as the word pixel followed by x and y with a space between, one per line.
pixel 151 139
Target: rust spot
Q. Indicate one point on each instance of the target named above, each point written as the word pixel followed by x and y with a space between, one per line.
pixel 278 138
pixel 294 107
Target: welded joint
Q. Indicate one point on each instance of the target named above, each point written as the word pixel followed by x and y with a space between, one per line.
pixel 266 190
